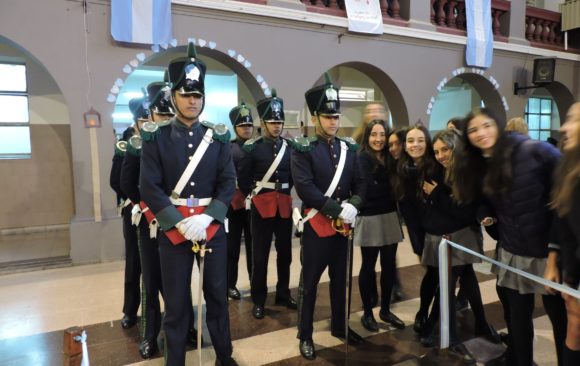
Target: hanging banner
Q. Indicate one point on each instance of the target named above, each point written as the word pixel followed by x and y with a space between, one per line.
pixel 479 51
pixel 364 16
pixel 141 21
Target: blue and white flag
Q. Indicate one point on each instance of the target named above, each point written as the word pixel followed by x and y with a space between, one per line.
pixel 141 21
pixel 479 50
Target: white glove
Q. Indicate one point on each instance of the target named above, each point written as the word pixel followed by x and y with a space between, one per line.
pixel 136 215
pixel 348 213
pixel 193 228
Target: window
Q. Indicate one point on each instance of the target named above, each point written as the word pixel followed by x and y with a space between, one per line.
pixel 14 119
pixel 538 115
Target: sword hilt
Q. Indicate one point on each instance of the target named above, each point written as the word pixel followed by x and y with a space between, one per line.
pixel 199 247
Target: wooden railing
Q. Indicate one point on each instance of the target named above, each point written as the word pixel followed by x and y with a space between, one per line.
pixel 449 17
pixel 543 28
pixel 391 9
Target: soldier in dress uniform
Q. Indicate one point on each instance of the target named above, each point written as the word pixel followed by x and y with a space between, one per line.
pixel 188 181
pixel 326 178
pixel 238 217
pixel 160 110
pixel 140 111
pixel 266 181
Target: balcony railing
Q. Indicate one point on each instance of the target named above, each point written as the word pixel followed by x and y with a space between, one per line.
pixel 449 17
pixel 390 9
pixel 543 28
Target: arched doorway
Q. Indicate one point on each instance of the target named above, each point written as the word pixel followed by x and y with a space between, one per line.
pixel 546 110
pixel 227 83
pixel 36 190
pixel 362 84
pixel 460 95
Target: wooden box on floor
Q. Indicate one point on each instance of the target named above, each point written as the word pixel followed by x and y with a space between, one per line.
pixel 72 349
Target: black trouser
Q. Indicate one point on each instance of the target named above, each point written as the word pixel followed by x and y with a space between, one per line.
pixel 150 309
pixel 238 222
pixel 317 254
pixel 262 231
pixel 367 280
pixel 132 295
pixel 470 287
pixel 518 310
pixel 176 268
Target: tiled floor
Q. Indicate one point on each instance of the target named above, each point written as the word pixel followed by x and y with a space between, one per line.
pixel 37 306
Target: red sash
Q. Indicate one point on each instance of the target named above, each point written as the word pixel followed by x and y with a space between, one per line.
pixel 322 225
pixel 238 202
pixel 269 203
pixel 148 214
pixel 175 236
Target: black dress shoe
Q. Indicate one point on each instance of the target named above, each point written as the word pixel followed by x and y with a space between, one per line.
pixel 226 362
pixel 258 312
pixel 233 293
pixel 307 349
pixel 462 351
pixel 369 323
pixel 427 337
pixel 147 349
pixel 353 338
pixel 392 319
pixel 128 321
pixel 289 302
pixel 489 333
pixel 420 320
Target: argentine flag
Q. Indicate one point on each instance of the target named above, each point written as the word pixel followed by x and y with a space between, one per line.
pixel 141 21
pixel 479 50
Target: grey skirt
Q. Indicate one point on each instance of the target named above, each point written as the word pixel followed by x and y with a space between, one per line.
pixel 378 230
pixel 505 278
pixel 469 237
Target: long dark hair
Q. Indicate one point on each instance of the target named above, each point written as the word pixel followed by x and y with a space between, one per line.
pixel 366 148
pixel 567 176
pixel 471 174
pixel 427 167
pixel 452 138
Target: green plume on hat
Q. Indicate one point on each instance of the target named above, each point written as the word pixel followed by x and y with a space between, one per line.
pixel 191 50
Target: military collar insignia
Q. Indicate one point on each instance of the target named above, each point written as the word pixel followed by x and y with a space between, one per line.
pixel 302 144
pixel 221 132
pixel 331 94
pixel 149 126
pixel 121 148
pixel 350 143
pixel 134 145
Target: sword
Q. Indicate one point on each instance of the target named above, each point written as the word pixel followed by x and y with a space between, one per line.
pixel 339 226
pixel 200 249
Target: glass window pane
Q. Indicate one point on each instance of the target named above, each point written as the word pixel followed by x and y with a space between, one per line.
pixel 545 122
pixel 533 122
pixel 535 134
pixel 12 77
pixel 14 140
pixel 546 106
pixel 533 105
pixel 14 109
pixel 544 135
